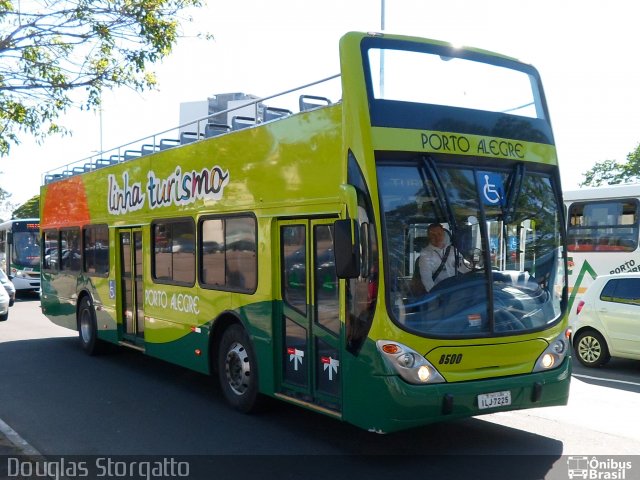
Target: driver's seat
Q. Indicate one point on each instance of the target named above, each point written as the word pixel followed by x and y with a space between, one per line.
pixel 417 287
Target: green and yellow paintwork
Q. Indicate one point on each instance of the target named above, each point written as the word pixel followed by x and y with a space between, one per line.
pixel 292 168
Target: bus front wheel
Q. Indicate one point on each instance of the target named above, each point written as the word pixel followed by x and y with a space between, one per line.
pixel 238 371
pixel 88 327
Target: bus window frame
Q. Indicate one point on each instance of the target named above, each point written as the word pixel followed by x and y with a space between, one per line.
pixel 85 229
pixel 200 250
pixel 573 232
pixel 61 231
pixel 426 117
pixel 43 248
pixel 152 251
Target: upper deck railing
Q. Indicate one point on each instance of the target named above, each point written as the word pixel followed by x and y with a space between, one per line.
pixel 307 97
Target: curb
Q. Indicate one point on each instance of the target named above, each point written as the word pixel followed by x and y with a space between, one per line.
pixel 11 443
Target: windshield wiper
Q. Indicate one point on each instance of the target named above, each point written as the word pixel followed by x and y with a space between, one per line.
pixel 441 193
pixel 515 188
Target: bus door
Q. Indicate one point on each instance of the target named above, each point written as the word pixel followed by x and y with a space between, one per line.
pixel 131 311
pixel 309 323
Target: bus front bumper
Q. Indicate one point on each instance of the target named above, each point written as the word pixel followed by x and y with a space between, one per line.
pixel 399 405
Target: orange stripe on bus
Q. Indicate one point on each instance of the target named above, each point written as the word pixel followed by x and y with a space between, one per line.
pixel 58 209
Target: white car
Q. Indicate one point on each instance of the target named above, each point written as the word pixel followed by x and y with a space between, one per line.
pixel 8 286
pixel 606 322
pixel 4 304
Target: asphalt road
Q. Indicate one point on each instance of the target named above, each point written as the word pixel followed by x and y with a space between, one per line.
pixel 63 402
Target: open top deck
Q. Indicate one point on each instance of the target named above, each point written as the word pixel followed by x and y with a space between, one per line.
pixel 228 113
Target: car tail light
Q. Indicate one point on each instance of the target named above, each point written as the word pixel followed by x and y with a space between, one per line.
pixel 579 307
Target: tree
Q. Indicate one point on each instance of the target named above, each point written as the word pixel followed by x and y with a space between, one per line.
pixel 607 172
pixel 6 205
pixel 51 48
pixel 610 172
pixel 29 209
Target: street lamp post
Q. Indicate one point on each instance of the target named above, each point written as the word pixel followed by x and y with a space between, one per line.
pixel 382 26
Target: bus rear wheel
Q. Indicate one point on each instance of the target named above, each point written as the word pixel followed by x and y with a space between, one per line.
pixel 88 327
pixel 238 371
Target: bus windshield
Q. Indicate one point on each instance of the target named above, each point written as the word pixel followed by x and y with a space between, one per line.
pixel 501 253
pixel 27 249
pixel 455 82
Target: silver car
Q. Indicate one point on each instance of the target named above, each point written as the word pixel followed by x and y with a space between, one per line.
pixel 4 305
pixel 8 286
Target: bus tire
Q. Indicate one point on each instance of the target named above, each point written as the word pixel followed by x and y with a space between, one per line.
pixel 238 370
pixel 88 327
pixel 591 349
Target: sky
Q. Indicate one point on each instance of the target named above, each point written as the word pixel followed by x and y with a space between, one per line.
pixel 585 50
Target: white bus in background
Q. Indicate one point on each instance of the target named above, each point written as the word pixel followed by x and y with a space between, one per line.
pixel 602 233
pixel 20 252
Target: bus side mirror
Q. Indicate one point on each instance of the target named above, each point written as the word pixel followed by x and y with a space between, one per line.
pixel 10 237
pixel 346 247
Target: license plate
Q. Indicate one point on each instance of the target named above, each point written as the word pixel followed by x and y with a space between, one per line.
pixel 493 400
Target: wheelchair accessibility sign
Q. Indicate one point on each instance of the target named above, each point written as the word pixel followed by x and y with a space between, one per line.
pixel 490 188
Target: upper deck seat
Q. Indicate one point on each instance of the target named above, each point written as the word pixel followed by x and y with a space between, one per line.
pixel 274 113
pixel 311 102
pixel 188 137
pixel 239 122
pixel 168 143
pixel 215 129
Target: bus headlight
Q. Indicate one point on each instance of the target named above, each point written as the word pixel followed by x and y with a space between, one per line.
pixel 424 373
pixel 553 355
pixel 407 360
pixel 408 363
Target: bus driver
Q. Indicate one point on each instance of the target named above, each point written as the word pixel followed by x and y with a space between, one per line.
pixel 437 260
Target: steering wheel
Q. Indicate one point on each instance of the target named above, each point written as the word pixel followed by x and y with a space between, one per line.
pixel 507 321
pixel 475 259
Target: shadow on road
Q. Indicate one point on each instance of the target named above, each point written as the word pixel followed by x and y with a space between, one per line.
pixel 27 297
pixel 618 373
pixel 124 403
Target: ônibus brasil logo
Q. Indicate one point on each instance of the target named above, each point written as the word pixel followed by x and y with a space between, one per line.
pixel 596 469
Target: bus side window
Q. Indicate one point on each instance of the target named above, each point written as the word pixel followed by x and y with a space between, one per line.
pixel 228 253
pixel 70 258
pixel 96 250
pixel 51 251
pixel 240 252
pixel 173 251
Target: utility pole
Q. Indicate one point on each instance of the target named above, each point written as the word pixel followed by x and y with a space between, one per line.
pixel 382 26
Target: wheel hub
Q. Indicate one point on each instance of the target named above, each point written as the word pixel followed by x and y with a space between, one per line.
pixel 589 349
pixel 238 369
pixel 85 326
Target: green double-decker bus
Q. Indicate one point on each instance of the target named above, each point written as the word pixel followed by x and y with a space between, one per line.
pixel 276 244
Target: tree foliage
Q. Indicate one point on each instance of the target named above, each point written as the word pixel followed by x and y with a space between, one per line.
pixel 610 172
pixel 29 209
pixel 50 48
pixel 6 205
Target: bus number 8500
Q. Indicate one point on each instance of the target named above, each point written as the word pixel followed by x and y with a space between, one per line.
pixel 450 359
